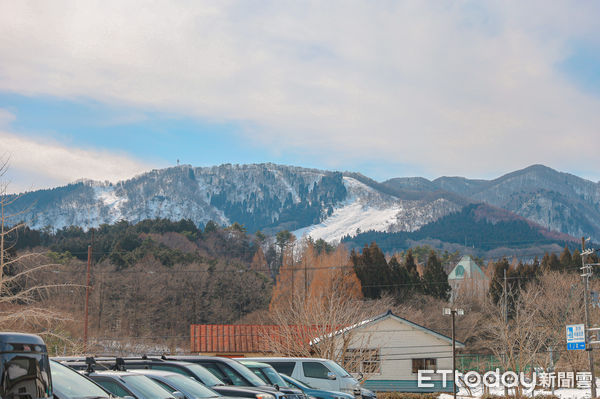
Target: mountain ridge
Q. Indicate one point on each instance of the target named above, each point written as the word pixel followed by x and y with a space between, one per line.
pixel 325 204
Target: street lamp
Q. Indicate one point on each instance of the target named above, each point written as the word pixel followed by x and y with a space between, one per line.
pixel 453 312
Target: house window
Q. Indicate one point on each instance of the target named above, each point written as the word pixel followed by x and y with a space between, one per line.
pixel 367 361
pixel 423 364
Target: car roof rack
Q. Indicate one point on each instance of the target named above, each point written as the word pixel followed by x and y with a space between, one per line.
pixel 90 362
pixel 119 364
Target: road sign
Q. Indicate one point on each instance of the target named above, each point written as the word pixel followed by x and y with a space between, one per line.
pixel 575 337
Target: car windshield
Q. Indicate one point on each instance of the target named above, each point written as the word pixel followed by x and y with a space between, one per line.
pixel 191 386
pixel 273 377
pixel 206 377
pixel 245 373
pixel 69 384
pixel 338 369
pixel 146 387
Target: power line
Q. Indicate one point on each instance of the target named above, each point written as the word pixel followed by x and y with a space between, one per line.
pixel 116 273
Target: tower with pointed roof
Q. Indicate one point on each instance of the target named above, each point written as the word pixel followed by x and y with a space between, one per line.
pixel 467 280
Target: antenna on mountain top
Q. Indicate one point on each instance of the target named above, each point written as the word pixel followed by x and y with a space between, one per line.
pixel 177 162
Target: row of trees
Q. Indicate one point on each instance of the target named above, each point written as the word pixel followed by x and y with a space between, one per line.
pixel 399 276
pixel 519 274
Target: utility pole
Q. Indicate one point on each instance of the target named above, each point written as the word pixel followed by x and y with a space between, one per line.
pixel 305 281
pixel 87 295
pixel 505 292
pixel 505 295
pixel 586 274
pixel 87 299
pixel 453 356
pixel 453 312
pixel 292 294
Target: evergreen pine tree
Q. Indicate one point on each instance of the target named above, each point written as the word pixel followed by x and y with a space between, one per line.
pixel 435 279
pixel 545 264
pixel 400 280
pixel 550 262
pixel 413 275
pixel 497 281
pixel 565 258
pixel 575 260
pixel 373 271
pixel 554 263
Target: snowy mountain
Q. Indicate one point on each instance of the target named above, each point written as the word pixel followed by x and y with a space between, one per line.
pixel 555 200
pixel 264 197
pixel 322 204
pixel 365 209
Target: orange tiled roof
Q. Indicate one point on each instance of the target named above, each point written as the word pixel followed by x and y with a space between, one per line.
pixel 243 338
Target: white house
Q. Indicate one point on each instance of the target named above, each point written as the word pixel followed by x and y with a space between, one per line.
pixel 390 350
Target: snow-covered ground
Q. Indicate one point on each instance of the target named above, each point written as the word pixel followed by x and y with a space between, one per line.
pixel 563 393
pixel 364 209
pixel 350 218
pixel 368 209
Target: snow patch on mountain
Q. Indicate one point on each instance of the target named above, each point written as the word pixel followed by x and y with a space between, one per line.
pixel 107 197
pixel 368 209
pixel 351 219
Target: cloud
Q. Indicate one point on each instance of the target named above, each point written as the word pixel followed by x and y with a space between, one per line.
pixel 469 88
pixel 6 117
pixel 48 164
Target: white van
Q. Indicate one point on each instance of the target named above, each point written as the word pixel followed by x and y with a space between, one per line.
pixel 318 373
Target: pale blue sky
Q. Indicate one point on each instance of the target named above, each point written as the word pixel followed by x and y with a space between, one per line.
pixel 106 90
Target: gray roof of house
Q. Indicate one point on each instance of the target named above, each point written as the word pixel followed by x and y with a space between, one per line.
pixel 389 314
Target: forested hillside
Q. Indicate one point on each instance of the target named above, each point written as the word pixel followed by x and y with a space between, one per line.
pixel 476 226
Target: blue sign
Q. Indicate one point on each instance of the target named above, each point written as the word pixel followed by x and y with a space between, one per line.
pixel 576 337
pixel 576 346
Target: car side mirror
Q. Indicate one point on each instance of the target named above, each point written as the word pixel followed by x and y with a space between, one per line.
pixel 178 395
pixel 276 386
pixel 331 375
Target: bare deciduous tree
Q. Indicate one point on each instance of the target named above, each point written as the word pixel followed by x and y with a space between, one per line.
pixel 20 286
pixel 315 315
pixel 560 302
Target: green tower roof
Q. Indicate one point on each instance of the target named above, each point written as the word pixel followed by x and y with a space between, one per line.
pixel 466 268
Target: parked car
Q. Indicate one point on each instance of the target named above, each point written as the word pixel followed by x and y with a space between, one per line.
pixel 265 372
pixel 193 370
pixel 319 373
pixel 174 382
pixel 69 384
pixel 235 373
pixel 25 367
pixel 315 393
pixel 127 384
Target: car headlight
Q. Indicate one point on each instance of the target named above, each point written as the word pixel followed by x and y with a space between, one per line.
pixel 264 396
